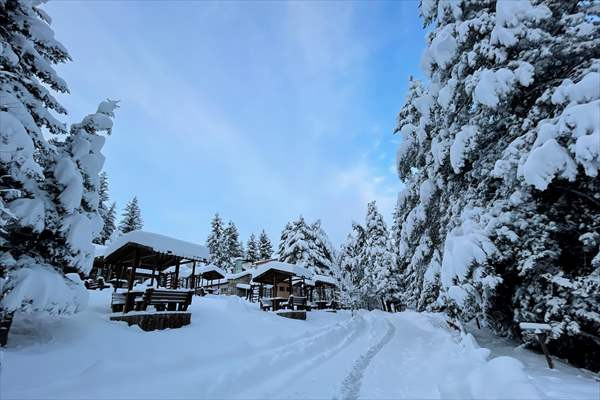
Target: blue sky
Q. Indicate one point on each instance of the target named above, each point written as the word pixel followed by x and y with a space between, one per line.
pixel 260 111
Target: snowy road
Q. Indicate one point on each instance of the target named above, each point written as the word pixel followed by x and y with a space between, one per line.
pixel 233 350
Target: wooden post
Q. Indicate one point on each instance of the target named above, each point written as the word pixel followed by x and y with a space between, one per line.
pixel 176 284
pixel 152 278
pixel 541 338
pixel 115 285
pixel 129 299
pixel 193 282
pixel 133 269
pixel 291 287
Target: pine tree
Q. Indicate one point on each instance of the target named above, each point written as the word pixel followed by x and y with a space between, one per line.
pixel 283 239
pixel 217 244
pixel 378 279
pixel 132 217
pixel 48 191
pixel 233 246
pixel 348 269
pixel 497 151
pixel 103 209
pixel 265 248
pixel 109 228
pixel 252 250
pixel 298 247
pixel 323 255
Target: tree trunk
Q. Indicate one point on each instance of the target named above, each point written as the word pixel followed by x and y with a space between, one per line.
pixel 5 322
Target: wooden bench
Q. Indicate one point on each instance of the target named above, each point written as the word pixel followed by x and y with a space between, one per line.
pixel 91 284
pixel 266 305
pixel 297 303
pixel 118 301
pixel 164 299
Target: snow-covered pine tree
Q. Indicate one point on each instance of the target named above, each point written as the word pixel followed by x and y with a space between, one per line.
pixel 132 217
pixel 376 259
pixel 502 141
pixel 110 227
pixel 48 191
pixel 283 239
pixel 252 250
pixel 348 270
pixel 216 243
pixel 298 247
pixel 233 246
pixel 322 254
pixel 265 248
pixel 103 207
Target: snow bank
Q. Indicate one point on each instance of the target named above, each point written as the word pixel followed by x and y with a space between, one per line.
pixel 504 376
pixel 40 288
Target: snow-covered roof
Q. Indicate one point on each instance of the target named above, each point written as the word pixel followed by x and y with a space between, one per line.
pixel 186 271
pixel 239 274
pixel 243 286
pixel 160 244
pixel 282 266
pixel 204 269
pixel 99 250
pixel 325 279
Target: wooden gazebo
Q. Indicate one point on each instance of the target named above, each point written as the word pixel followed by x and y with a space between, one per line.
pixel 152 251
pixel 282 276
pixel 151 254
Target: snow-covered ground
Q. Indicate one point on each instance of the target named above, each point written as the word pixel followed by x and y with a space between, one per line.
pixel 233 350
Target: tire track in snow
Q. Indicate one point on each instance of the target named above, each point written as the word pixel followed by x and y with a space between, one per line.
pixel 273 364
pixel 350 388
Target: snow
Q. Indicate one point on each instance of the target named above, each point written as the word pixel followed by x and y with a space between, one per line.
pixel 442 48
pixel 161 244
pixel 493 85
pixel 99 250
pixel 465 246
pixel 30 212
pixel 15 143
pixel 587 89
pixel 67 174
pixel 534 326
pixel 509 17
pixel 546 162
pixel 330 355
pixel 460 146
